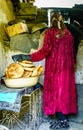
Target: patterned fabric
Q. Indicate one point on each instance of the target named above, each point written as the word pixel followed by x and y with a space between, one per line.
pixel 59 94
pixel 15 104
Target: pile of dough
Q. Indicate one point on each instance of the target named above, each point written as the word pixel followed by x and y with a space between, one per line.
pixel 23 69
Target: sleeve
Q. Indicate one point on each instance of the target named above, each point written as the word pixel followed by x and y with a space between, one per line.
pixel 44 50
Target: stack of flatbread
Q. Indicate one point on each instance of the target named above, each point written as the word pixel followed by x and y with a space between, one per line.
pixel 23 69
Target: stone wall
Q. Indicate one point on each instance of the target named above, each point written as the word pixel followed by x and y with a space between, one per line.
pixel 79 66
pixel 6 14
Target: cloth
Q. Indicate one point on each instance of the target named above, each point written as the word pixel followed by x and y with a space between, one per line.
pixel 8 96
pixel 9 104
pixel 21 57
pixel 10 99
pixel 59 94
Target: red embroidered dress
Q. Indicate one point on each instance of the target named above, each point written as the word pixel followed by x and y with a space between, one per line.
pixel 59 94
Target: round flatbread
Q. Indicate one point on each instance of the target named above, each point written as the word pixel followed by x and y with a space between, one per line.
pixel 27 73
pixel 6 74
pixel 40 69
pixel 29 68
pixel 14 70
pixel 37 71
pixel 26 63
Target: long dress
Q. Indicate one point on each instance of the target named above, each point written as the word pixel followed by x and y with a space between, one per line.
pixel 59 92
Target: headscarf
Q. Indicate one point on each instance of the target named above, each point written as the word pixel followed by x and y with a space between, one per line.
pixel 57 21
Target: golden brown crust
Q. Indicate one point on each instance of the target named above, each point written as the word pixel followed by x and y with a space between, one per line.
pixel 29 68
pixel 40 69
pixel 6 74
pixel 26 63
pixel 27 73
pixel 14 70
pixel 23 69
pixel 37 71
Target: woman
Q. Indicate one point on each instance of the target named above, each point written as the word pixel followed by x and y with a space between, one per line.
pixel 59 94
